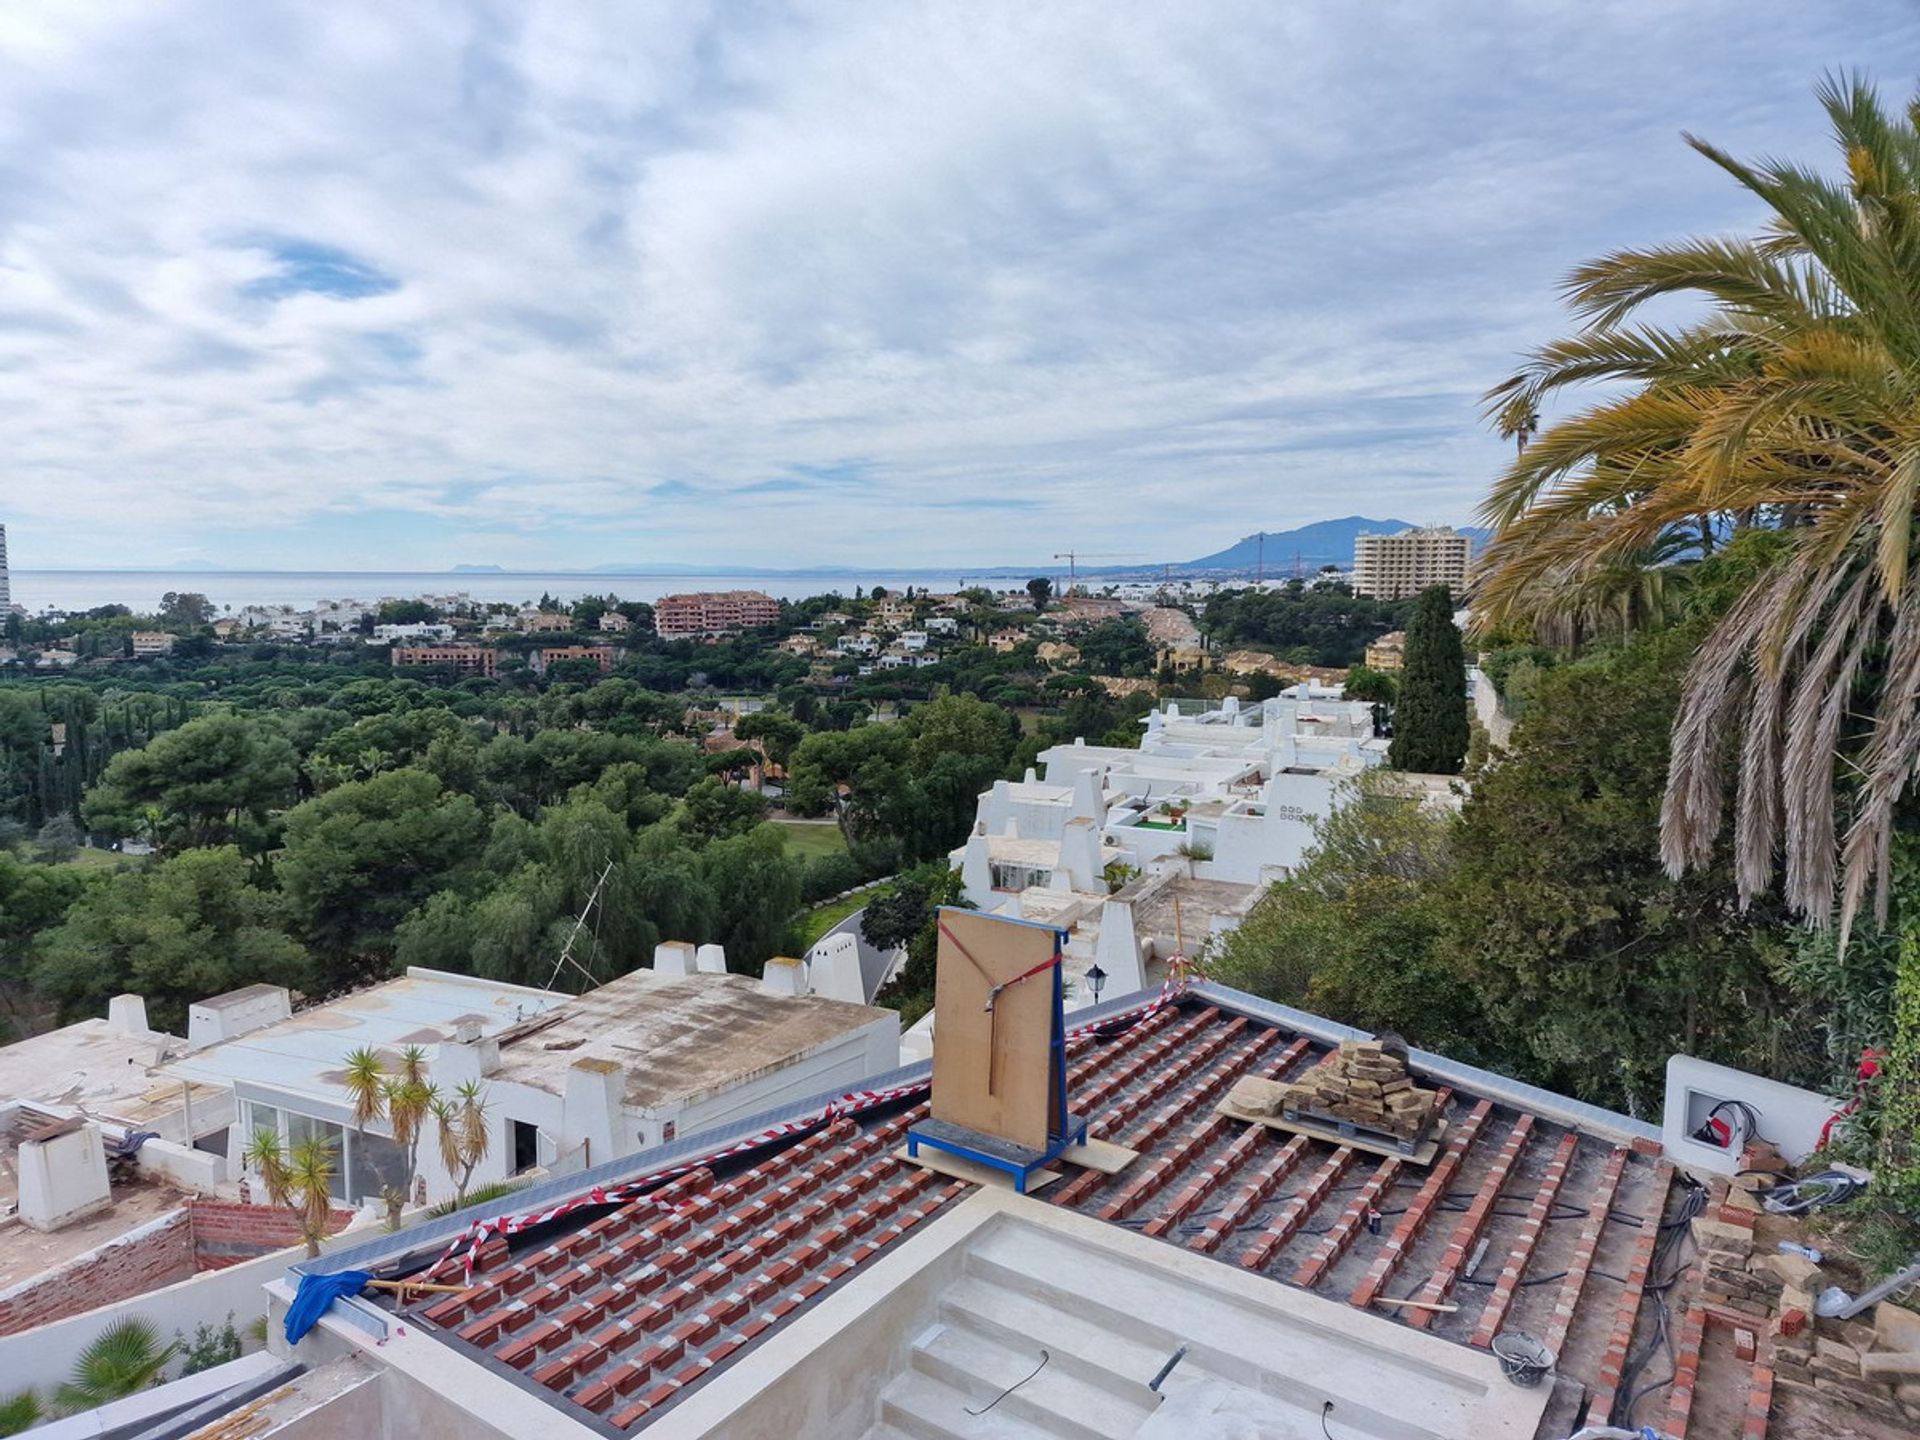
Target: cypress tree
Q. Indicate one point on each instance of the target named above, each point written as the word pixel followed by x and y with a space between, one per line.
pixel 1430 720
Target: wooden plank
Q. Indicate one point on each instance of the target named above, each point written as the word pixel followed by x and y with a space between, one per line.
pixel 1102 1155
pixel 943 1163
pixel 1423 1155
pixel 992 1068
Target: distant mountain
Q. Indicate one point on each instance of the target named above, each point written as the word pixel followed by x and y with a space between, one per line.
pixel 1325 542
pixel 479 570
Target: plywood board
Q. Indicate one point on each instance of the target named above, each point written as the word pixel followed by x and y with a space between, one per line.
pixel 992 1069
pixel 943 1163
pixel 1423 1155
pixel 1102 1155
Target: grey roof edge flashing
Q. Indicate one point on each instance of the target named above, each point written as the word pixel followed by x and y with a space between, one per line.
pixel 1549 1104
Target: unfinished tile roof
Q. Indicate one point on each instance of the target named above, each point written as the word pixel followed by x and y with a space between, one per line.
pixel 1520 1222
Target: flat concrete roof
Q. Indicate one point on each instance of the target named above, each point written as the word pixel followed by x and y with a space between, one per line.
pixel 305 1054
pixel 679 1037
pixel 27 1254
pixel 97 1068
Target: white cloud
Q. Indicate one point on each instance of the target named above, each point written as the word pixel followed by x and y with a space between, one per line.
pixel 1150 275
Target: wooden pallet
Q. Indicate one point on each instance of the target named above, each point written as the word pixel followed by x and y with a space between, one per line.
pixel 1418 1151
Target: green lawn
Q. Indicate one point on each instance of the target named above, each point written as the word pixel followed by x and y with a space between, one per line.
pixel 806 840
pixel 87 858
pixel 816 922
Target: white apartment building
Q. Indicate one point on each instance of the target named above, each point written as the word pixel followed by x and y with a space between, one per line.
pixel 1231 792
pixel 419 631
pixel 1395 567
pixel 570 1081
pixel 6 585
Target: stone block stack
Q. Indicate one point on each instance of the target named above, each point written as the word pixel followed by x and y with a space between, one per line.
pixel 1848 1365
pixel 1362 1083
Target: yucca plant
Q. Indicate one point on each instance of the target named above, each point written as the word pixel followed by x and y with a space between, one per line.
pixel 124 1359
pixel 1792 405
pixel 464 1141
pixel 366 1083
pixel 300 1178
pixel 409 1099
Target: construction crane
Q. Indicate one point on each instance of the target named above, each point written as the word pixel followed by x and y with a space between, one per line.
pixel 1074 557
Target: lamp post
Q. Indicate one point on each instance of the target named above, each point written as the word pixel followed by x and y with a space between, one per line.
pixel 1096 981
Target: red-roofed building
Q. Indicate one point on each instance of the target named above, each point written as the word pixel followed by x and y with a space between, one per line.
pixel 797 1276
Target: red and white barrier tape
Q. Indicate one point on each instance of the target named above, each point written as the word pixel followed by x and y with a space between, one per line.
pixel 852 1103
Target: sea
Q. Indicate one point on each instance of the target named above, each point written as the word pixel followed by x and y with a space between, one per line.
pixel 140 590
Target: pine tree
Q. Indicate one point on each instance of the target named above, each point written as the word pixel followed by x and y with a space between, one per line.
pixel 1430 720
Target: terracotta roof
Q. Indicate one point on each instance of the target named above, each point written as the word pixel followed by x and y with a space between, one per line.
pixel 1522 1221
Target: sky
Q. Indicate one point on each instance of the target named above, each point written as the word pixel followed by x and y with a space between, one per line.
pixel 403 286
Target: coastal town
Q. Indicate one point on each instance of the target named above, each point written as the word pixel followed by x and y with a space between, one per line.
pixel 642 793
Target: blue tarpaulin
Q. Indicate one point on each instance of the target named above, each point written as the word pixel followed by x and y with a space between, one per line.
pixel 316 1293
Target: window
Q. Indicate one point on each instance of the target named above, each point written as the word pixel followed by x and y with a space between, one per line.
pixel 374 1165
pixel 526 1145
pixel 261 1117
pixel 301 1128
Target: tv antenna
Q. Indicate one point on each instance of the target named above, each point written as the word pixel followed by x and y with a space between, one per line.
pixel 579 923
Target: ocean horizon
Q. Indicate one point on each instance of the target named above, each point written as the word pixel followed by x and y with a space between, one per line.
pixel 140 590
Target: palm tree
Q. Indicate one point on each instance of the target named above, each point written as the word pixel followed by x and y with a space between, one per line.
pixel 1790 406
pixel 123 1360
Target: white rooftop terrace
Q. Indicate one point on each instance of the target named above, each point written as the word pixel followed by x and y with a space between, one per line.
pixel 305 1054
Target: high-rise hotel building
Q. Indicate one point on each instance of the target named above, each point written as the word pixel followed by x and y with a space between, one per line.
pixel 1394 567
pixel 6 586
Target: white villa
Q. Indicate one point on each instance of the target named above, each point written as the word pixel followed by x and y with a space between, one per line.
pixel 570 1081
pixel 1234 790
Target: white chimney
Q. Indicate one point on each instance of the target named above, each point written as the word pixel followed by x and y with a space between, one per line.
pixel 1117 951
pixel 591 1108
pixel 1086 796
pixel 673 957
pixel 63 1174
pixel 128 1014
pixel 834 965
pixel 468 1056
pixel 783 976
pixel 976 871
pixel 711 959
pixel 1080 864
pixel 236 1013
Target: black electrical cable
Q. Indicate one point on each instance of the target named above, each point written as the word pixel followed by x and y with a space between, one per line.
pixel 1044 1358
pixel 1326 1409
pixel 1673 1234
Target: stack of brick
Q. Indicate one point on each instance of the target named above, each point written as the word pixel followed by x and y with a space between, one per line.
pixel 1362 1083
pixel 1838 1363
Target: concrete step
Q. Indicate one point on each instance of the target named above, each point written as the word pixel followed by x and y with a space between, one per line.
pixel 1079 1344
pixel 1094 1298
pixel 925 1408
pixel 1069 1405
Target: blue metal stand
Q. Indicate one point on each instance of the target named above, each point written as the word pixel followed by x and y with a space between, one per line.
pixel 1019 1161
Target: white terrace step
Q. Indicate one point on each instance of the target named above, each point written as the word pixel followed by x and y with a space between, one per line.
pixel 1078 1342
pixel 1063 1403
pixel 1278 1351
pixel 924 1408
